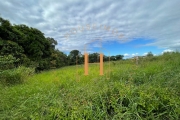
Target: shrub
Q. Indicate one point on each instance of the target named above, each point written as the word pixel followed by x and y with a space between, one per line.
pixel 16 75
pixel 7 62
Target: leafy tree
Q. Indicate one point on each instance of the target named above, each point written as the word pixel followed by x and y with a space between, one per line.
pixel 52 42
pixel 149 54
pixel 35 45
pixel 30 46
pixel 119 57
pixel 7 62
pixel 94 57
pixel 12 48
pixel 58 59
pixel 74 54
pixel 5 29
pixel 113 58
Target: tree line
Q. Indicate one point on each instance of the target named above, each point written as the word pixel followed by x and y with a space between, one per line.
pixel 27 46
pixel 75 57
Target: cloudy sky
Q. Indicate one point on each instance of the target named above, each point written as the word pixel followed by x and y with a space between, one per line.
pixel 109 26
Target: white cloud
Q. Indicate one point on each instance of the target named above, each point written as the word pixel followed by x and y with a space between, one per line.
pixel 155 19
pixel 126 55
pixel 145 54
pixel 167 50
pixel 134 54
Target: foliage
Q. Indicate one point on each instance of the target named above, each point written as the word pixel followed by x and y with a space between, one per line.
pixel 11 48
pixel 119 57
pixel 35 45
pixel 73 57
pixel 149 90
pixel 7 62
pixel 94 57
pixel 113 58
pixel 149 54
pixel 30 46
pixel 16 75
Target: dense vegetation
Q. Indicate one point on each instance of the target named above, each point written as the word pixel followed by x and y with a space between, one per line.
pixel 24 48
pixel 29 46
pixel 32 48
pixel 149 90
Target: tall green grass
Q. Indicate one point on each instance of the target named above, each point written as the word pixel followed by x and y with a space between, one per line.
pixel 149 90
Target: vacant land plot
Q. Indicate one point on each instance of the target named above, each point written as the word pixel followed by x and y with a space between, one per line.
pixel 150 90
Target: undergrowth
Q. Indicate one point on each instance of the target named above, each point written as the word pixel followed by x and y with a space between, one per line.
pixel 149 90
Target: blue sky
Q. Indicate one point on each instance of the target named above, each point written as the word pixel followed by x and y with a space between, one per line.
pixel 148 25
pixel 128 49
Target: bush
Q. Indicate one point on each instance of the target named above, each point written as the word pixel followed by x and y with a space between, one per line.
pixel 7 62
pixel 16 76
pixel 43 65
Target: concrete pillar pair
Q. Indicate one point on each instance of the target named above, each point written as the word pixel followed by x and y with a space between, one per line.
pixel 86 64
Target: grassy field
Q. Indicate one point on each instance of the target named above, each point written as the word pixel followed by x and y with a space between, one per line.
pixel 150 90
